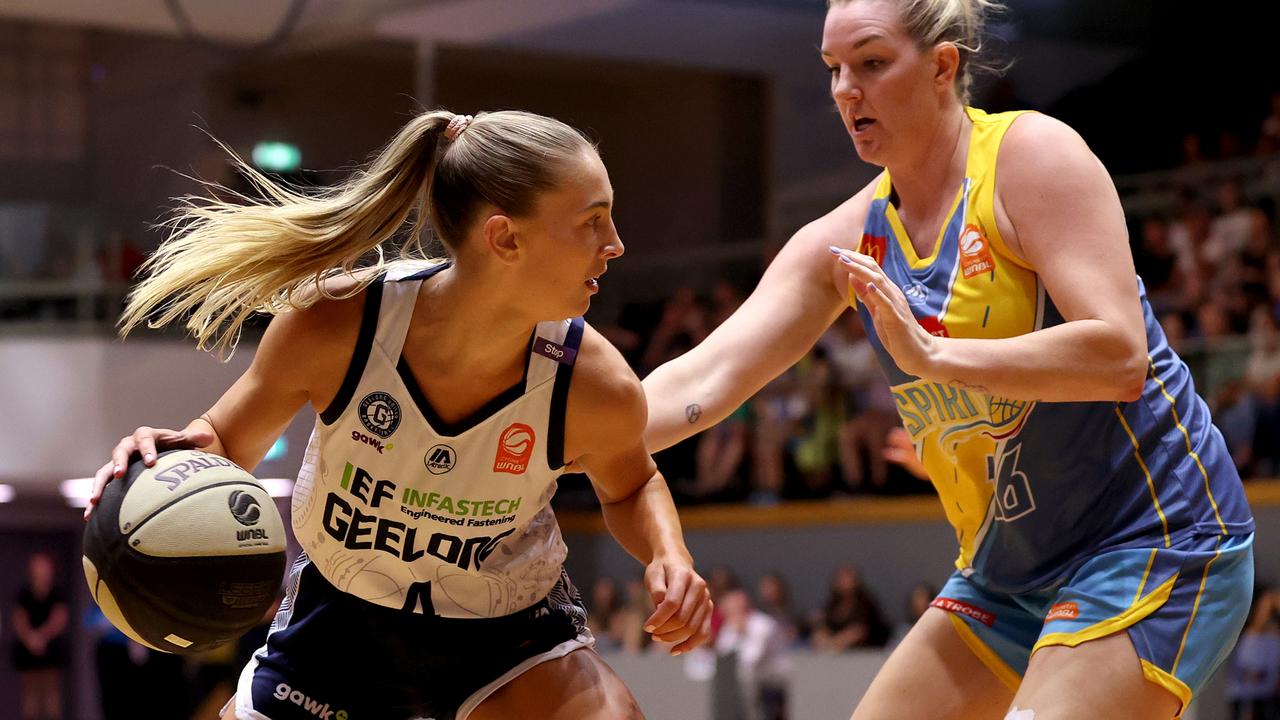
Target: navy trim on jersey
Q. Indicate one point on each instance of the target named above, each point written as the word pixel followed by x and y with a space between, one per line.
pixel 359 355
pixel 560 398
pixel 454 429
pixel 426 272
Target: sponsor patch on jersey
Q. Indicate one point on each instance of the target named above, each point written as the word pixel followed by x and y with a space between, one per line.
pixel 958 607
pixel 380 414
pixel 975 253
pixel 933 326
pixel 554 350
pixel 874 246
pixel 1063 611
pixel 440 459
pixel 917 293
pixel 515 447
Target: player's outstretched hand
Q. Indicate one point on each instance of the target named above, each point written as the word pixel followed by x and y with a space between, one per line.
pixel 682 605
pixel 147 442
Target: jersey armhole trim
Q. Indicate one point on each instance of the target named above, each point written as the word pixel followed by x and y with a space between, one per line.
pixel 988 206
pixel 560 399
pixel 360 354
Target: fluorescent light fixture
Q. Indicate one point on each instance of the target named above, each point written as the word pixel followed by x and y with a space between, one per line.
pixel 6 493
pixel 76 491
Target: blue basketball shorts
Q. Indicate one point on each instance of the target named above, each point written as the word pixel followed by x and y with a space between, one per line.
pixel 333 656
pixel 1182 606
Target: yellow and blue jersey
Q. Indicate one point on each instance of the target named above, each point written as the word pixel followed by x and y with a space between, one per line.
pixel 1034 489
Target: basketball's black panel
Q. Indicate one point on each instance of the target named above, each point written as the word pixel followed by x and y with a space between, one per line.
pixel 205 600
pixel 102 538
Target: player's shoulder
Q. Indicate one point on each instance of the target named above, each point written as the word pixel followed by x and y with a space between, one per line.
pixel 313 338
pixel 329 305
pixel 1035 139
pixel 605 395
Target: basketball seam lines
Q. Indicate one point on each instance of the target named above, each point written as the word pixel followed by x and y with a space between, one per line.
pixel 180 498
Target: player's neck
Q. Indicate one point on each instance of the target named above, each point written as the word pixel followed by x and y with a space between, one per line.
pixel 469 322
pixel 937 170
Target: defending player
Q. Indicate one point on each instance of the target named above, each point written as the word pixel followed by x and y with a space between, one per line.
pixel 1105 562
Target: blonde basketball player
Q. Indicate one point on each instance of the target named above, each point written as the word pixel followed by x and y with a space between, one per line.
pixel 1105 563
pixel 450 396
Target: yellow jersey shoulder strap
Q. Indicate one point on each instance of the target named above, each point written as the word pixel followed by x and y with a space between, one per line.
pixel 984 149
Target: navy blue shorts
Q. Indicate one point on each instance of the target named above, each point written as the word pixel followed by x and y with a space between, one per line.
pixel 333 656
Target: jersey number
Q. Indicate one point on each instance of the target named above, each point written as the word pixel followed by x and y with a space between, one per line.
pixel 1013 491
pixel 419 596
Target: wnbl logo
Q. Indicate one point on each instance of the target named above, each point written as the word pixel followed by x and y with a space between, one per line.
pixel 244 508
pixel 440 459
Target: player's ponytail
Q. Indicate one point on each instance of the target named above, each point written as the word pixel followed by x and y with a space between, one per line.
pixel 223 261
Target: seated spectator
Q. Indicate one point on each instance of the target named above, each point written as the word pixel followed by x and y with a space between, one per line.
pixel 870 411
pixel 1253 674
pixel 683 325
pixel 721 450
pixel 628 622
pixel 605 605
pixel 1175 331
pixel 851 618
pixel 774 595
pixel 778 410
pixel 918 601
pixel 1262 376
pixel 761 649
pixel 1159 266
pixel 1235 413
pixel 725 299
pixel 817 445
pixel 1269 135
pixel 1229 231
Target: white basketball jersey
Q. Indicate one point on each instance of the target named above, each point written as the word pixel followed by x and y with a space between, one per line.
pixel 399 508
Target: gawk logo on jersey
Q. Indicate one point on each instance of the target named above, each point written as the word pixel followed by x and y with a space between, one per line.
pixel 515 447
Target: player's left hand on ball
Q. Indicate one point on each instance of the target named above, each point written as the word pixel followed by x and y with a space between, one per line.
pixel 682 604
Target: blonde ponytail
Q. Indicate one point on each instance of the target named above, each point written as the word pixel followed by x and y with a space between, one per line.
pixel 223 261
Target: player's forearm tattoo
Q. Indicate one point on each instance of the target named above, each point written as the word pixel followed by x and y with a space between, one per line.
pixel 966 386
pixel 692 412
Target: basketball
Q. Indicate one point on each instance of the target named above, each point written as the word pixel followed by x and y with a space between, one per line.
pixel 186 555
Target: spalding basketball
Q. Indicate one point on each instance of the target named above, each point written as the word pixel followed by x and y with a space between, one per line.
pixel 185 555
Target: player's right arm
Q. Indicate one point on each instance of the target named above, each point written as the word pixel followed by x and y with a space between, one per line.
pixel 298 360
pixel 796 301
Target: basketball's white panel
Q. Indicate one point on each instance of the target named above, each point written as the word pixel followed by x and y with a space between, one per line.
pixel 214 521
pixel 102 594
pixel 173 476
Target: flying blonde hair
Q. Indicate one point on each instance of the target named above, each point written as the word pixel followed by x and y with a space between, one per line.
pixel 223 261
